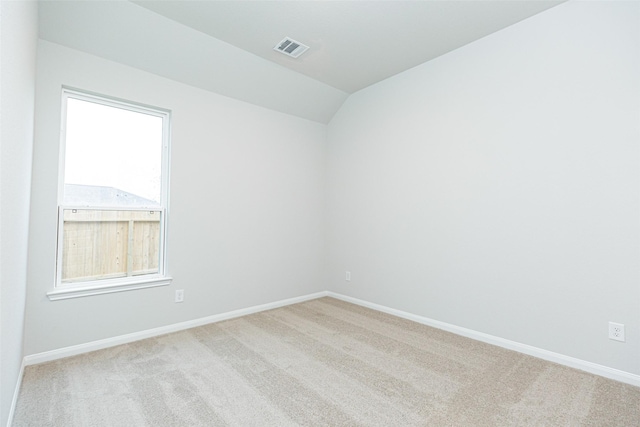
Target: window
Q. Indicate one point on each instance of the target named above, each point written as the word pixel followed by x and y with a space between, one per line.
pixel 112 208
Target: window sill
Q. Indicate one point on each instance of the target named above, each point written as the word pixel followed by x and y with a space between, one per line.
pixel 85 289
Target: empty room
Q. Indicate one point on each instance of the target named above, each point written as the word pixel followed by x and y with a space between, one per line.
pixel 320 213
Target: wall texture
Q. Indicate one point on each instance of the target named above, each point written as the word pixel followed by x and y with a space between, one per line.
pixel 18 36
pixel 245 220
pixel 496 188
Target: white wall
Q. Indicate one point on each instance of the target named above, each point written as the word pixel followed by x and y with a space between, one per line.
pixel 245 225
pixel 496 188
pixel 18 35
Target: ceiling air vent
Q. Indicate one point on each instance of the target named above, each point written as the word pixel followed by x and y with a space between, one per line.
pixel 291 47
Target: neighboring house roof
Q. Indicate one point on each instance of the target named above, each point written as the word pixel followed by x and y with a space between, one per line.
pixel 95 195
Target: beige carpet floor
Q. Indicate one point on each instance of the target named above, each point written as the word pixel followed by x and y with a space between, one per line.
pixel 319 363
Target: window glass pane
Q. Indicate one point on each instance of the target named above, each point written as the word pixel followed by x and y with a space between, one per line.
pixel 105 244
pixel 113 156
pixel 113 207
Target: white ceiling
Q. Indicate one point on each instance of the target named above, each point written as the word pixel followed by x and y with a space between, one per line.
pixel 227 46
pixel 353 43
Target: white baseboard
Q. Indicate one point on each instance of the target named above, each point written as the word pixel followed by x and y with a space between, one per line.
pixel 16 392
pixel 594 368
pixel 61 353
pixel 572 362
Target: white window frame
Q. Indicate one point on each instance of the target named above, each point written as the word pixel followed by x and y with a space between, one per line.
pixel 120 284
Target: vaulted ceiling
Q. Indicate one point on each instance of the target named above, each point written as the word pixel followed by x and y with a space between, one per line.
pixel 227 46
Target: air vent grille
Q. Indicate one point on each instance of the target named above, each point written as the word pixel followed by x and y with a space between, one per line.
pixel 291 47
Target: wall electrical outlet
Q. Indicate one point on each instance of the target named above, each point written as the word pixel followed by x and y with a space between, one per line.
pixel 179 295
pixel 347 276
pixel 616 331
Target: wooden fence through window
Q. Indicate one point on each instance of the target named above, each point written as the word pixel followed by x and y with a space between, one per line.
pixel 101 244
